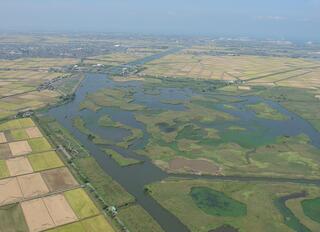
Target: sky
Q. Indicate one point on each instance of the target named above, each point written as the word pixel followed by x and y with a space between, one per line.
pixel 272 19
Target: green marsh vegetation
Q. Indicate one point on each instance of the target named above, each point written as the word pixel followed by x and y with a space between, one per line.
pixel 120 159
pixel 115 97
pixel 252 204
pixel 106 121
pixel 265 111
pixel 217 203
pixel 311 208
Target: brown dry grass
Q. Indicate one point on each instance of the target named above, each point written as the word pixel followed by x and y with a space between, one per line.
pixel 200 166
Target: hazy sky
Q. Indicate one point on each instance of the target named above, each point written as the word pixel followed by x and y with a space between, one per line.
pixel 288 19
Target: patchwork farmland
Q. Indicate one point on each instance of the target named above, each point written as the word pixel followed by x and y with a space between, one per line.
pixel 24 83
pixel 37 191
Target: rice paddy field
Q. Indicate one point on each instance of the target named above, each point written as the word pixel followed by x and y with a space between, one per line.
pixel 20 79
pixel 205 205
pixel 37 190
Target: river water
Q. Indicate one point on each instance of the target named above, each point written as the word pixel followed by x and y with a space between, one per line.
pixel 134 178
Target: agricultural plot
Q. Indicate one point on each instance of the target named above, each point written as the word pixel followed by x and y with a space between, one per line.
pixel 12 218
pixel 59 179
pixel 205 205
pixel 81 203
pixel 31 175
pixel 44 161
pixel 113 59
pixel 19 82
pixel 226 68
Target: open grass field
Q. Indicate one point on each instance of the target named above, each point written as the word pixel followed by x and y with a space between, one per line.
pixel 81 203
pixel 110 191
pixel 132 216
pixel 45 160
pixel 261 213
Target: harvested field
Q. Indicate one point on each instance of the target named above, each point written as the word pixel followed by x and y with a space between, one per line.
pixel 37 215
pixel 12 219
pixel 180 164
pixel 33 132
pixel 81 203
pixel 2 138
pixel 20 148
pixel 59 209
pixel 32 185
pixel 5 151
pixel 39 145
pixel 97 224
pixel 9 191
pixel 19 166
pixel 59 179
pixel 45 160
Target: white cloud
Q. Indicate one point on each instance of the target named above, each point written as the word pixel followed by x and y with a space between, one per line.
pixel 272 18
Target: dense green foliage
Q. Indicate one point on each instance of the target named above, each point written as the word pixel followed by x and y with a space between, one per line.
pixel 311 208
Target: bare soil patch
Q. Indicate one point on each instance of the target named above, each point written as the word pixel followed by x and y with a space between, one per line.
pixel 225 228
pixel 20 148
pixel 32 185
pixel 33 132
pixel 2 138
pixel 9 191
pixel 59 179
pixel 19 166
pixel 37 215
pixel 198 166
pixel 59 209
pixel 5 151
